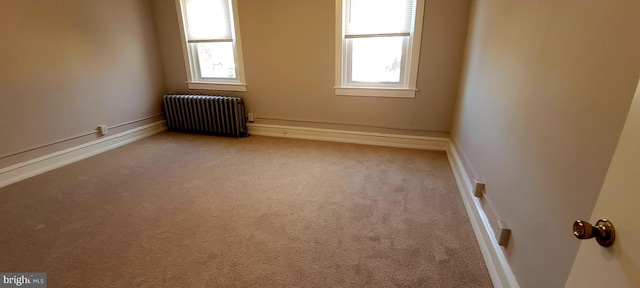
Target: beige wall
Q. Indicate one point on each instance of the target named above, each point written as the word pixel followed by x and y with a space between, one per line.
pixel 69 66
pixel 289 66
pixel 545 94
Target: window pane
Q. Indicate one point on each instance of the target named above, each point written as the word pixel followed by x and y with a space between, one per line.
pixel 216 60
pixel 376 59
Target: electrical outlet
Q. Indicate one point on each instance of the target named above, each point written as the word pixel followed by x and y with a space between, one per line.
pixel 503 233
pixel 103 129
pixel 250 117
pixel 478 188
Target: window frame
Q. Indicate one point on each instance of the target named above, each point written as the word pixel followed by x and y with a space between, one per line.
pixel 411 56
pixel 192 64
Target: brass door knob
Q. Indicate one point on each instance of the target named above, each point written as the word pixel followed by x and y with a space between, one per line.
pixel 603 231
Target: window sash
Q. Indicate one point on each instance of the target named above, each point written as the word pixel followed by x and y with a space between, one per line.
pixel 375 35
pixel 209 40
pixel 348 64
pixel 196 69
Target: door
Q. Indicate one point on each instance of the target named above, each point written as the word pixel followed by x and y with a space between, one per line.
pixel 619 202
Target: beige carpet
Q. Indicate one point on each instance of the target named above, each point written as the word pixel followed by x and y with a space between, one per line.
pixel 182 210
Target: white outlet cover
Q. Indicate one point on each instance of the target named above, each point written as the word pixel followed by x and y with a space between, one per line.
pixel 103 129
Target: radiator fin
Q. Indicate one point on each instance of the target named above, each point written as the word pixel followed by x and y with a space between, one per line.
pixel 219 115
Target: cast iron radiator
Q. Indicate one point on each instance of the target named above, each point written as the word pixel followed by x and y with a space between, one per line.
pixel 218 115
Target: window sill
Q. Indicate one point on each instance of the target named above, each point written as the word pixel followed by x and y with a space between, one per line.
pixel 217 86
pixel 376 92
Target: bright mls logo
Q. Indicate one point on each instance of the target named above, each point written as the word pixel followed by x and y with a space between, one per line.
pixel 23 279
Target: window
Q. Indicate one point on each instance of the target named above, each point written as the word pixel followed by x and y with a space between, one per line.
pixel 211 44
pixel 377 47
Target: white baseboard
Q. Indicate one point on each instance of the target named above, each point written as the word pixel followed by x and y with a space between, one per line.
pixel 368 138
pixel 493 254
pixel 24 170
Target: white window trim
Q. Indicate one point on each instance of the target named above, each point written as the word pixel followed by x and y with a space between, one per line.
pixel 238 84
pixel 415 39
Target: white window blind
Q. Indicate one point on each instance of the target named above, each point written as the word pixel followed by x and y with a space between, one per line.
pixel 378 18
pixel 208 21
